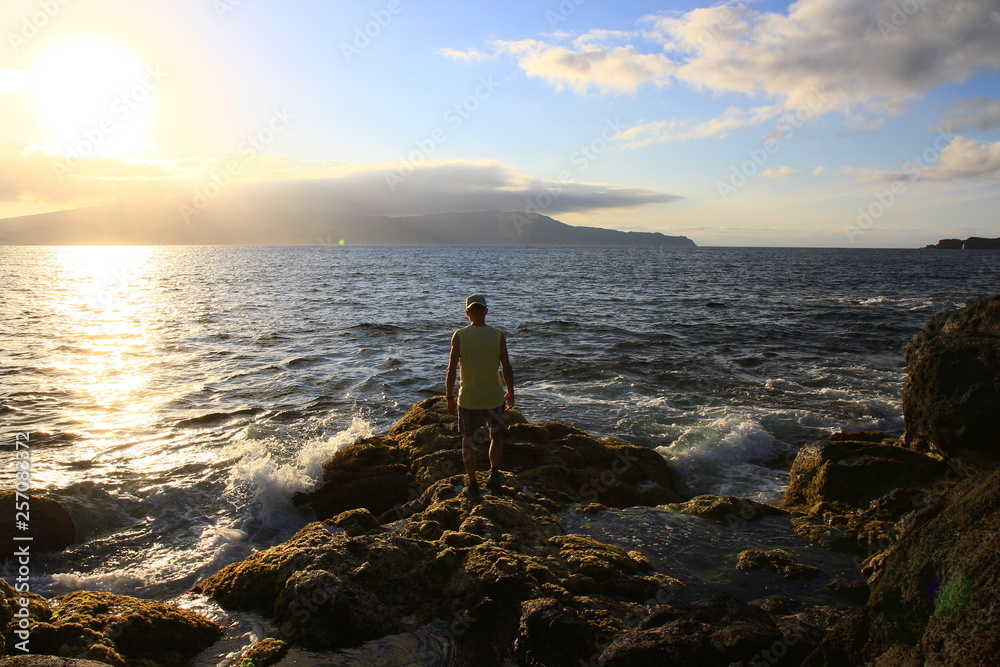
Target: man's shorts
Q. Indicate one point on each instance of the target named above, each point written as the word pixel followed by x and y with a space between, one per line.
pixel 480 422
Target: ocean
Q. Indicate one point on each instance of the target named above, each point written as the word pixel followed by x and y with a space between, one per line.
pixel 176 398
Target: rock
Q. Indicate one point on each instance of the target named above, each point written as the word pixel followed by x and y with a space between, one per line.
pixel 726 510
pixel 718 631
pixel 552 634
pixel 854 473
pixel 388 475
pixel 11 603
pixel 325 589
pixel 952 392
pixel 266 652
pixel 778 561
pixel 853 590
pixel 846 494
pixel 373 474
pixel 971 243
pixel 120 630
pixel 356 522
pixel 935 599
pixel 47 661
pixel 49 524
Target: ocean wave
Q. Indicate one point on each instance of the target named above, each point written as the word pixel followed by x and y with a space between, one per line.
pixel 215 418
pixel 265 476
pixel 727 456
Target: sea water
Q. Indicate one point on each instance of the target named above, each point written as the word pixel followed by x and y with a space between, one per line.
pixel 177 397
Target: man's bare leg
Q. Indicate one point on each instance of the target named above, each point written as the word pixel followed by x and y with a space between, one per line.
pixel 469 459
pixel 496 453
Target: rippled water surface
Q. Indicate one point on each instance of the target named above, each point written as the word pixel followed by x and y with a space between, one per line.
pixel 175 397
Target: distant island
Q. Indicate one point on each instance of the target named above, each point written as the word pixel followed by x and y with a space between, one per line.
pixel 971 243
pixel 309 225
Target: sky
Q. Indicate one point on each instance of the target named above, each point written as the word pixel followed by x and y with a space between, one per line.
pixel 844 123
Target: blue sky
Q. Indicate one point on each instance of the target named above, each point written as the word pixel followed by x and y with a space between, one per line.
pixel 741 123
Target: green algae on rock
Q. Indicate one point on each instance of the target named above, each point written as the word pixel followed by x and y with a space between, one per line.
pixel 118 630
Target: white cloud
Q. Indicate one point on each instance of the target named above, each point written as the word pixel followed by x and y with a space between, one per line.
pixel 32 173
pixel 856 57
pixel 780 173
pixel 734 118
pixel 871 54
pixel 819 171
pixel 13 80
pixel 962 159
pixel 981 113
pixel 469 55
pixel 615 70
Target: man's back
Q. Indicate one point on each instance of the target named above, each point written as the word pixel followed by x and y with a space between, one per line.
pixel 479 351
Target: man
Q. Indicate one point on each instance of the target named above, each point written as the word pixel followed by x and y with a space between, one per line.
pixel 479 349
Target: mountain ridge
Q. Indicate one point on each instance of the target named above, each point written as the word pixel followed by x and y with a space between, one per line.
pixel 125 224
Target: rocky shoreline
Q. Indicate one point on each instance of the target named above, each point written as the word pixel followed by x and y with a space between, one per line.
pixel 399 568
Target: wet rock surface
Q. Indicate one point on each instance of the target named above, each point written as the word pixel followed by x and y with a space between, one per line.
pixel 51 528
pixel 951 398
pixel 117 630
pixel 499 578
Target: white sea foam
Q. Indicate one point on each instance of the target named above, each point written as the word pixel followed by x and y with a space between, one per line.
pixel 267 475
pixel 724 456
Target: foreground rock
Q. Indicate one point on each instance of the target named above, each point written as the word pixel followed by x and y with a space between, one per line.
pixel 116 630
pixel 726 510
pixel 468 564
pixel 387 475
pixel 50 527
pixel 951 398
pixel 495 580
pixel 934 600
pixel 848 492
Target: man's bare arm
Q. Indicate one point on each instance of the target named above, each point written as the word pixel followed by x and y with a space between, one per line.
pixel 508 372
pixel 449 382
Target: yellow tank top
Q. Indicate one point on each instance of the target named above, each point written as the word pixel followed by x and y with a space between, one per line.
pixel 479 354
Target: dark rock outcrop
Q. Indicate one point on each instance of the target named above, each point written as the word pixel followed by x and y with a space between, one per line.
pixel 326 589
pixel 50 526
pixel 935 598
pixel 971 243
pixel 951 397
pixel 118 630
pixel 847 492
pixel 778 561
pixel 30 660
pixel 726 510
pixel 388 474
pixel 725 631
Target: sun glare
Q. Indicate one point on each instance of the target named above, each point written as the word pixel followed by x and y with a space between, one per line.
pixel 94 97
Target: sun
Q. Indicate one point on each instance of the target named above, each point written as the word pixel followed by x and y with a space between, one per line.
pixel 94 97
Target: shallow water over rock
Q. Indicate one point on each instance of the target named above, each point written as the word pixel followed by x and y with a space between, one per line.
pixel 703 554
